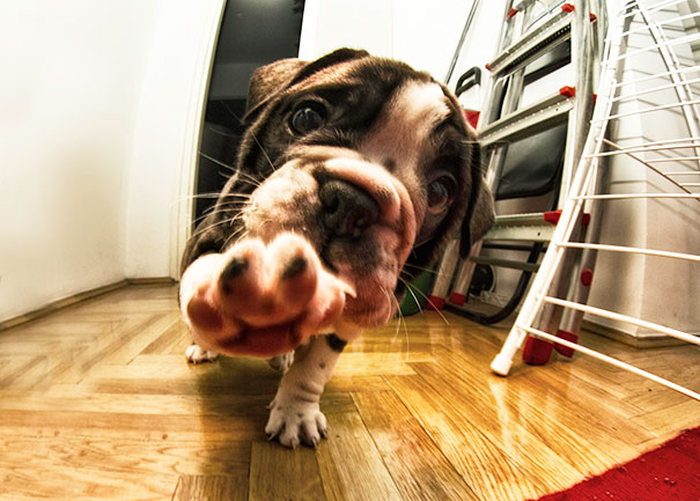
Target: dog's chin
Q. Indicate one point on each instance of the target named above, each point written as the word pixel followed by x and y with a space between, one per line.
pixel 374 303
pixel 368 316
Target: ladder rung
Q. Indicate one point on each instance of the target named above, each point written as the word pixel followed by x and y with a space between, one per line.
pixel 648 147
pixel 656 76
pixel 632 250
pixel 506 263
pixel 611 315
pixel 536 41
pixel 525 121
pixel 530 218
pixel 649 110
pixel 689 40
pixel 531 227
pixel 674 160
pixel 631 196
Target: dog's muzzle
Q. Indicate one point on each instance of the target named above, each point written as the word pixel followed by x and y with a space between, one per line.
pixel 326 236
pixel 347 209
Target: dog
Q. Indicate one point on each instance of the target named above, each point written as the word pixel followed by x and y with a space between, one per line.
pixel 353 170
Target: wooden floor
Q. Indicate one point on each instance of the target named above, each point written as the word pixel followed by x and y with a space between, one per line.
pixel 97 402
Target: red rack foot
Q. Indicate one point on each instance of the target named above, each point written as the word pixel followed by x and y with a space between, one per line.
pixel 569 336
pixel 435 303
pixel 458 299
pixel 536 351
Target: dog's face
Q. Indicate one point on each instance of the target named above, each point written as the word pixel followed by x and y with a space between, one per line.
pixel 353 168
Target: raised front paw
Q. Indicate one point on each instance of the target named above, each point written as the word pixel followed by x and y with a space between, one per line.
pixel 296 422
pixel 197 355
pixel 259 298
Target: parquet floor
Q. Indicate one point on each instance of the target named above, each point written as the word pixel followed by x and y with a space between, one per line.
pixel 97 402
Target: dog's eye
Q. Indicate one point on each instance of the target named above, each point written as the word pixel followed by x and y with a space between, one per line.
pixel 440 194
pixel 308 118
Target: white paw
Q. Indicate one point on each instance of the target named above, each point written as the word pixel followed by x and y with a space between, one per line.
pixel 197 355
pixel 282 363
pixel 295 423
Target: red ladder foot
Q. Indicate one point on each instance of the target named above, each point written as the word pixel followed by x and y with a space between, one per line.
pixel 435 303
pixel 536 351
pixel 569 336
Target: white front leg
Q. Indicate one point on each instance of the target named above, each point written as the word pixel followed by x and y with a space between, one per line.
pixel 295 416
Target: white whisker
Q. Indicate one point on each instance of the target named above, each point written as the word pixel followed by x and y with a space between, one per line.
pixel 425 296
pixel 217 162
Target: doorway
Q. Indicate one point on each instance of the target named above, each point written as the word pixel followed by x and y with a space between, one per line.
pixel 253 33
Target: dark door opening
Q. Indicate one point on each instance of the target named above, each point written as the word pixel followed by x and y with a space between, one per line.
pixel 253 34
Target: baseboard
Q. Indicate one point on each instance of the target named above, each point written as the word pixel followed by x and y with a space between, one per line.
pixel 151 281
pixel 642 342
pixel 79 297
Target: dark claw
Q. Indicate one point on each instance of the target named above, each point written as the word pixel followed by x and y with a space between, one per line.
pixel 297 266
pixel 275 434
pixel 235 268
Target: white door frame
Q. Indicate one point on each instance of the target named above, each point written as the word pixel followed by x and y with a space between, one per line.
pixel 183 209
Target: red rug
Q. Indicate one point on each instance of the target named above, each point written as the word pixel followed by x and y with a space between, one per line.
pixel 671 472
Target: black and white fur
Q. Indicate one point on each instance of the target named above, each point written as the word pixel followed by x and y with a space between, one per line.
pixel 353 169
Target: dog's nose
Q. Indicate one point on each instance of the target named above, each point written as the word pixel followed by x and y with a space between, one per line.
pixel 347 209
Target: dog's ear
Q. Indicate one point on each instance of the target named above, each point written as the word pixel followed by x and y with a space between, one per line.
pixel 270 78
pixel 335 57
pixel 267 80
pixel 480 214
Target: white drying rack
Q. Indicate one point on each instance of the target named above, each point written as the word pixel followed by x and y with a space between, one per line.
pixel 679 167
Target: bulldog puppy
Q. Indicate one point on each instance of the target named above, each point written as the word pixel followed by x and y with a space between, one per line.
pixel 353 168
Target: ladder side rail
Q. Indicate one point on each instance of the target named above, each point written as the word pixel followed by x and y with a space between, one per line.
pixel 585 272
pixel 463 36
pixel 551 314
pixel 509 30
pixel 581 54
pixel 504 359
pixel 450 256
pixel 448 264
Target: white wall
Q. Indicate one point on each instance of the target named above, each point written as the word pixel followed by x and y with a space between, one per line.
pixel 166 136
pixel 423 34
pixel 68 99
pixel 96 121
